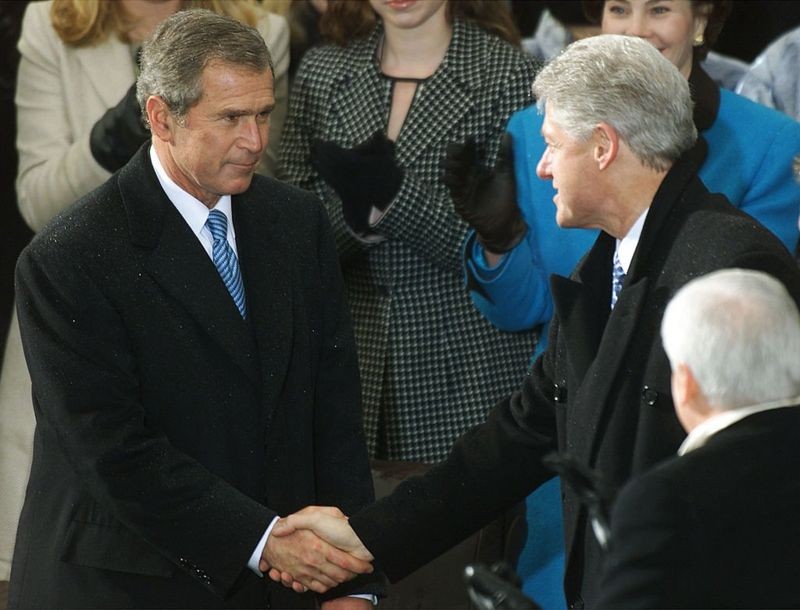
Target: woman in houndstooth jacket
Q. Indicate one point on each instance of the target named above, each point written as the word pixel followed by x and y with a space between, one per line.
pixel 370 117
pixel 369 121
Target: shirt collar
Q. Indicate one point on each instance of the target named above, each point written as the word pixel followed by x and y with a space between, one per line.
pixel 626 246
pixel 194 211
pixel 700 435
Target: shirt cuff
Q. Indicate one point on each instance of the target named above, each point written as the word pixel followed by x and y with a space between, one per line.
pixel 255 558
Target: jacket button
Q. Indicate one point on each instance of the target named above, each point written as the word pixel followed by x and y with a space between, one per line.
pixel 649 395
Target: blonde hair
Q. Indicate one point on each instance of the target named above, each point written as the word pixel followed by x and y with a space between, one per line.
pixel 85 23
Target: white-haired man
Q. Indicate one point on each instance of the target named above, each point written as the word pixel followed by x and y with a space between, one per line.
pixel 717 527
pixel 623 155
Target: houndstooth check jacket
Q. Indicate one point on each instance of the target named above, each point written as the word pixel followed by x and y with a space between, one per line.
pixel 431 365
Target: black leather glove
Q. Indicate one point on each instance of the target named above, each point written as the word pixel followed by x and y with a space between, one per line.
pixel 486 199
pixel 364 176
pixel 119 133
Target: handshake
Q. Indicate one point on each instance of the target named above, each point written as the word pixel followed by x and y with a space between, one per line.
pixel 314 549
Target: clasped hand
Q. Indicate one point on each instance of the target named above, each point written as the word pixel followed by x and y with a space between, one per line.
pixel 315 549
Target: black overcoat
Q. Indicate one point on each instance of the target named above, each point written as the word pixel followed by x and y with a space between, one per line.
pixel 170 431
pixel 715 528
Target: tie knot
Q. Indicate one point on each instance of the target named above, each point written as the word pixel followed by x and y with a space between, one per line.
pixel 217 223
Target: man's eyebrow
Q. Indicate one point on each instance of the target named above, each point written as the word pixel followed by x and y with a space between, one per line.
pixel 267 108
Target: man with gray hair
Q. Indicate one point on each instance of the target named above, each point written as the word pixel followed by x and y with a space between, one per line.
pixel 193 362
pixel 717 527
pixel 623 155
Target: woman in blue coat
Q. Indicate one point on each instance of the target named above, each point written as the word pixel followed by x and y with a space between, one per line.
pixel 750 154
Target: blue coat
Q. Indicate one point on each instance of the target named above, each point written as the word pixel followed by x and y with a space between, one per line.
pixel 750 151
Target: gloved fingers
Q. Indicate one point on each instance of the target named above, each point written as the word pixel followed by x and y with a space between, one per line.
pixel 505 156
pixel 377 145
pixel 326 159
pixel 463 156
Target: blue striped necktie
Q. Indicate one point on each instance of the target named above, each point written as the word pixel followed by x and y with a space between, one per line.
pixel 225 259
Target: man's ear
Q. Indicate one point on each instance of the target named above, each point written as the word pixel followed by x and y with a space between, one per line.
pixel 162 122
pixel 605 145
pixel 684 385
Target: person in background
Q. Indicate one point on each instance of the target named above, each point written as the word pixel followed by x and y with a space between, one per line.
pixel 774 78
pixel 303 17
pixel 624 156
pixel 717 527
pixel 14 235
pixel 192 356
pixel 564 21
pixel 77 122
pixel 369 121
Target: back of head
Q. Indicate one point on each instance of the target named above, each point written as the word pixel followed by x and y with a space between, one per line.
pixel 625 82
pixel 738 331
pixel 173 59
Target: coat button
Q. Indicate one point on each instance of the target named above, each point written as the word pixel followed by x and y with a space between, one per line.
pixel 560 391
pixel 649 395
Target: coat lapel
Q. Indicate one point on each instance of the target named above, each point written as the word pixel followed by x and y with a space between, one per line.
pixel 265 256
pixel 579 305
pixel 109 67
pixel 360 99
pixel 177 262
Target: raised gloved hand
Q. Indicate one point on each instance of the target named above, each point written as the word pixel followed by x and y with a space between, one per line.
pixel 119 133
pixel 364 176
pixel 486 199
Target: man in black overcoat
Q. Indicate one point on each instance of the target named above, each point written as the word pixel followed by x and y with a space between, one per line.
pixel 193 363
pixel 623 155
pixel 717 526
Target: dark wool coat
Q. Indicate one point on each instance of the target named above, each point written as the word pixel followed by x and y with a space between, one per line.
pixel 431 365
pixel 715 528
pixel 170 431
pixel 601 391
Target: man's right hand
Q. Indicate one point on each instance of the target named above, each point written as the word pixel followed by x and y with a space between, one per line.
pixel 327 523
pixel 307 561
pixel 486 199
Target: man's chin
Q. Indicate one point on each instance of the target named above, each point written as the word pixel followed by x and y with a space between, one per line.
pixel 242 183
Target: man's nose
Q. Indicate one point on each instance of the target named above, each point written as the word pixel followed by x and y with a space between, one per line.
pixel 253 136
pixel 543 167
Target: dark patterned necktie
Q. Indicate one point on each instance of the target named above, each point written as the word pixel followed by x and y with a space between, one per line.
pixel 617 279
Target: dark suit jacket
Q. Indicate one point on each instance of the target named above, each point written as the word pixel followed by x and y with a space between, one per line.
pixel 600 392
pixel 170 431
pixel 716 528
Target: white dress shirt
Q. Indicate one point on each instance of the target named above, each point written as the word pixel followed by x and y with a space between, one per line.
pixel 700 435
pixel 626 247
pixel 194 212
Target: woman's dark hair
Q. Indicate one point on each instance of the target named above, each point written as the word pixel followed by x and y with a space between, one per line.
pixel 347 20
pixel 716 12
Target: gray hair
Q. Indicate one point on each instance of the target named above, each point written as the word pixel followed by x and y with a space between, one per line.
pixel 174 57
pixel 739 333
pixel 625 82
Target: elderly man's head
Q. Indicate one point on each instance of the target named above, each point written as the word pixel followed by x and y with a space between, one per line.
pixel 733 340
pixel 626 83
pixel 617 116
pixel 206 87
